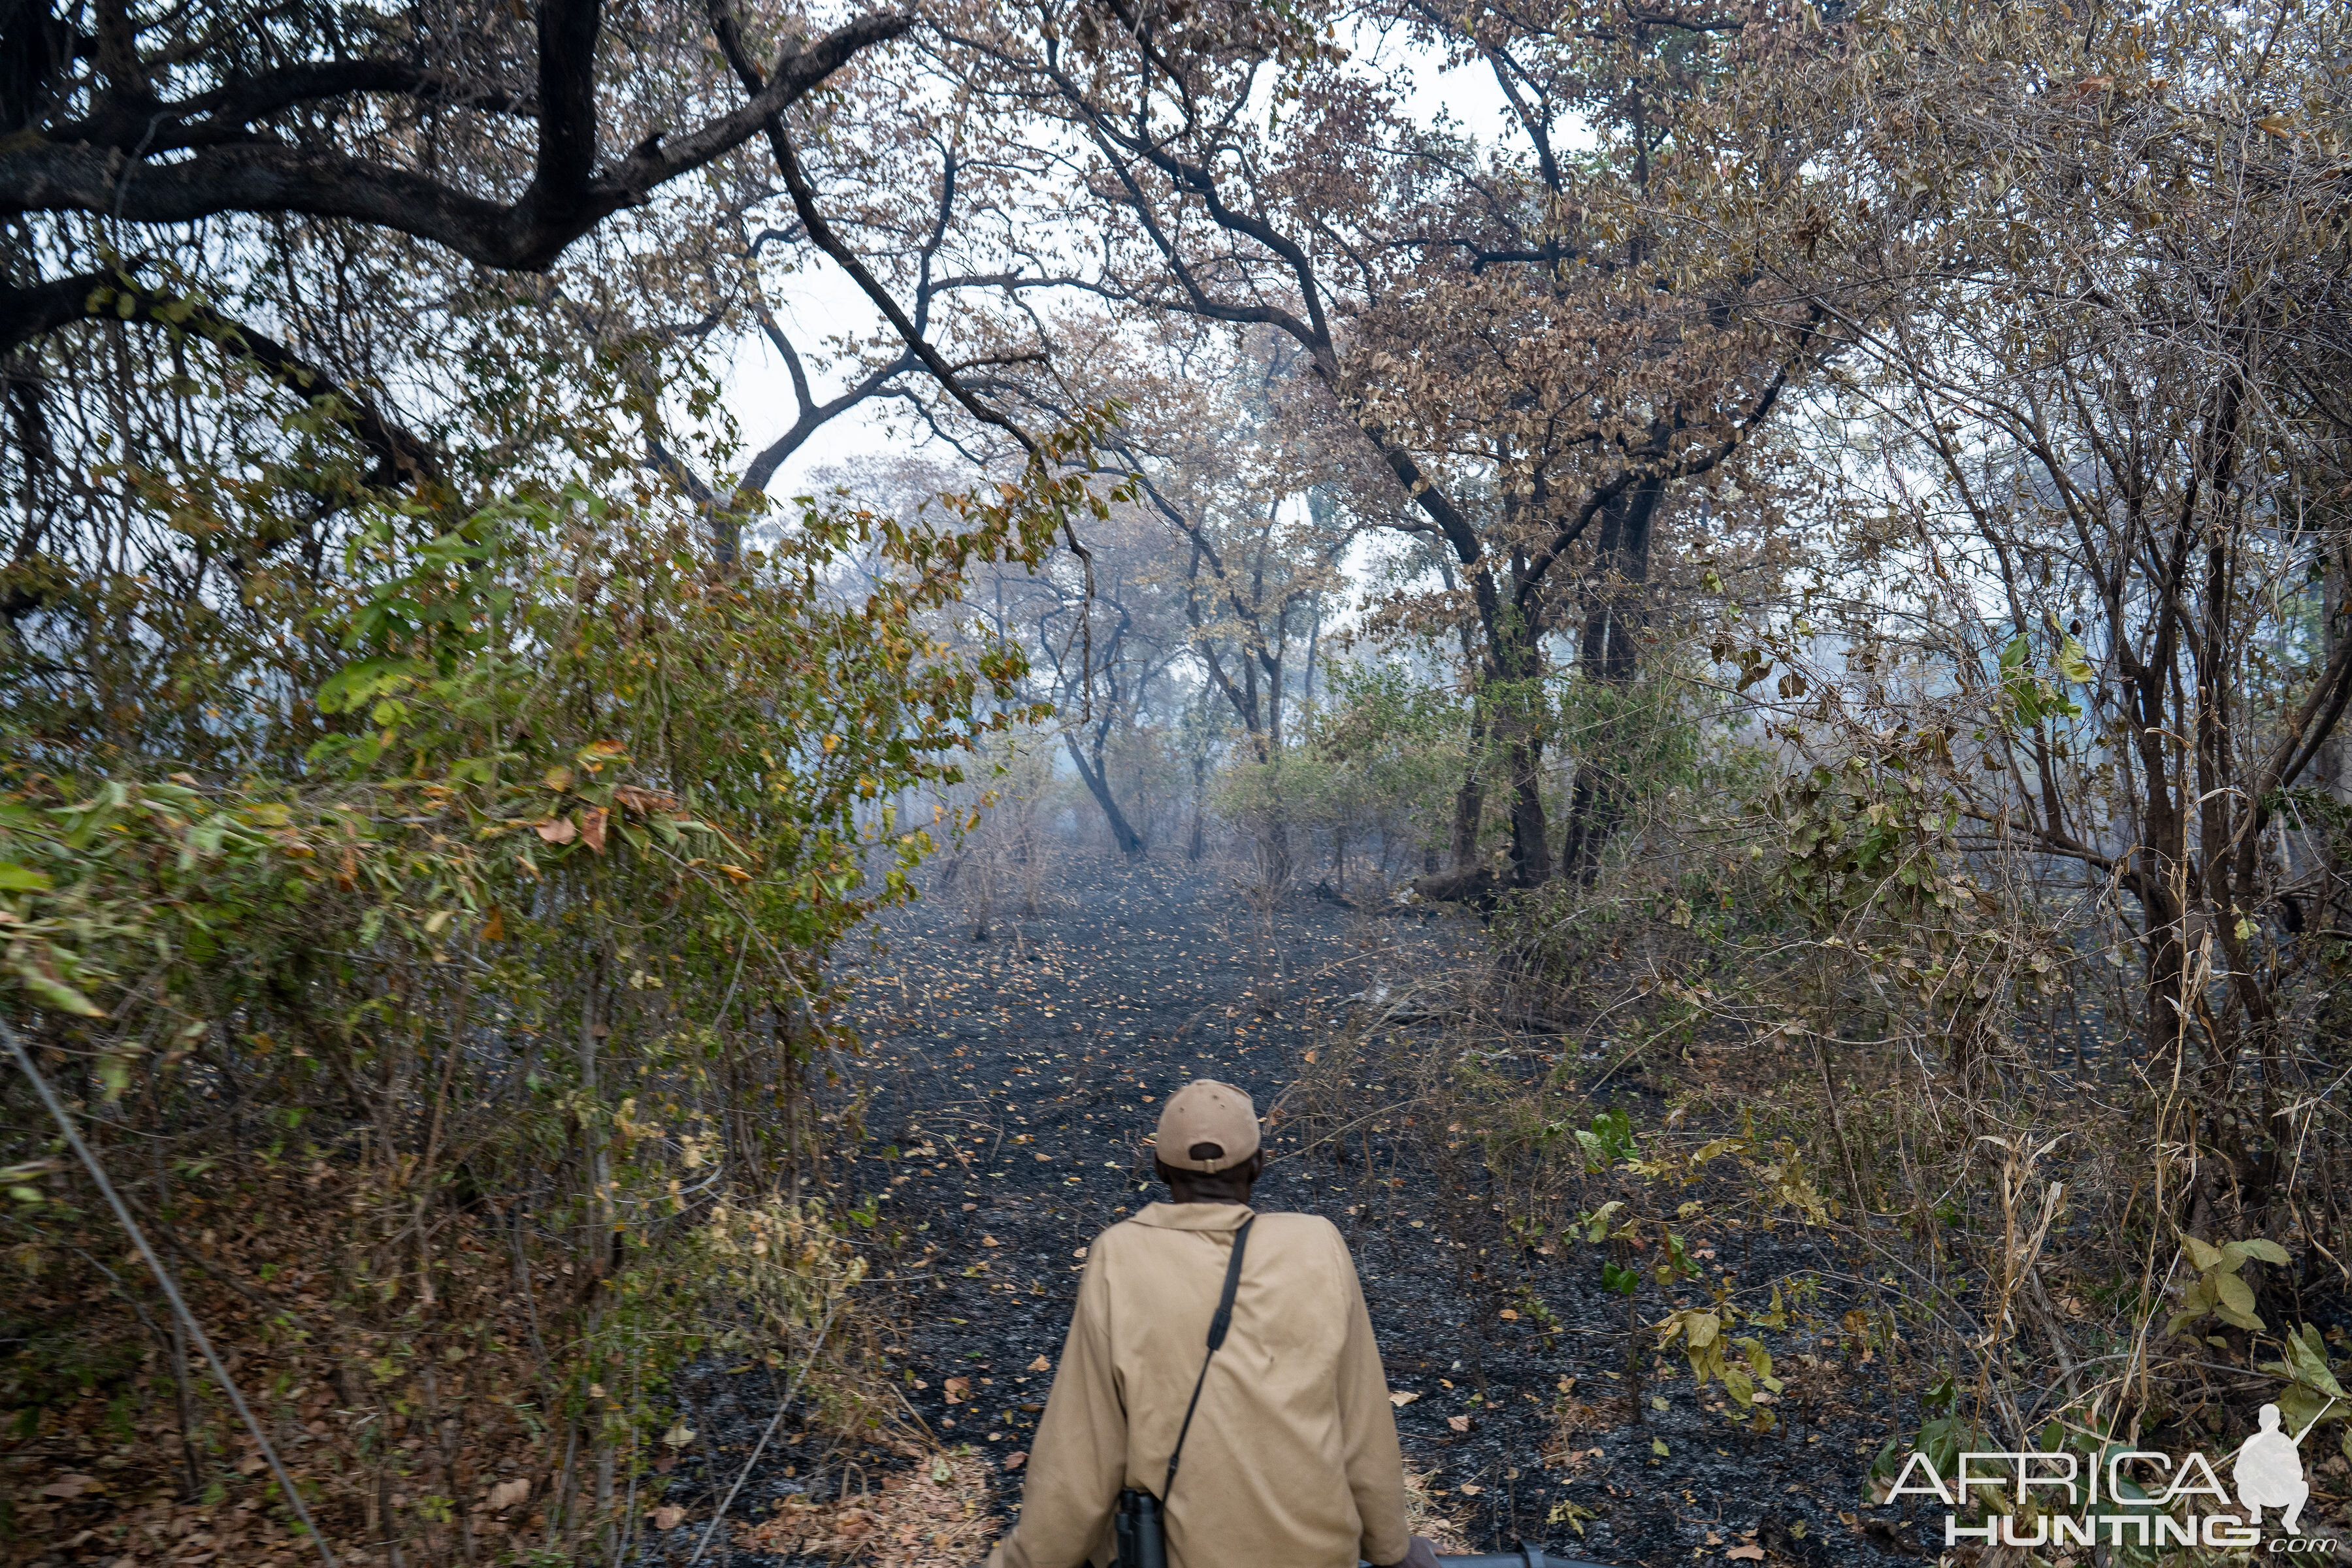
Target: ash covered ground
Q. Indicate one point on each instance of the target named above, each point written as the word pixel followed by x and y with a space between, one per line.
pixel 1011 1081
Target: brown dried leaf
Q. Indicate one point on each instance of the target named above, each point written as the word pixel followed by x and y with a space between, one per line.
pixel 644 802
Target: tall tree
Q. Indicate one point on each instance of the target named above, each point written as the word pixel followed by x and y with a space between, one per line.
pixel 1537 343
pixel 2100 443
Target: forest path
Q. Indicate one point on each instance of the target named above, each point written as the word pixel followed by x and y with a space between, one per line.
pixel 1012 1082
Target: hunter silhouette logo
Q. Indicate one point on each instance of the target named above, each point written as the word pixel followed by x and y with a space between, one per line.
pixel 2060 1501
pixel 2269 1472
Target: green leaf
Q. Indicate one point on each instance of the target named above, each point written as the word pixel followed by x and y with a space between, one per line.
pixel 16 878
pixel 1759 1360
pixel 2072 663
pixel 2306 1363
pixel 2235 1301
pixel 56 994
pixel 2300 1408
pixel 2265 1250
pixel 2203 1258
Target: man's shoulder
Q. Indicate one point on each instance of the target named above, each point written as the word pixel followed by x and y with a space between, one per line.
pixel 1287 1229
pixel 1269 1229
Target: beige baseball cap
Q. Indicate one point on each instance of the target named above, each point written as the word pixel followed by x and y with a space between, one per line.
pixel 1207 1115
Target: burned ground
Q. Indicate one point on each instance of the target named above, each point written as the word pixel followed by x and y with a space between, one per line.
pixel 1011 1082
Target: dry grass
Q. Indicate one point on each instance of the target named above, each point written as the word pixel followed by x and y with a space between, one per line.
pixel 936 1514
pixel 1424 1514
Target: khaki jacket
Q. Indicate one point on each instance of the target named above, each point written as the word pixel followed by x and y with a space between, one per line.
pixel 1292 1461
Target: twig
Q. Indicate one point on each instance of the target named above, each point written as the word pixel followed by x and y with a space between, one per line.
pixel 163 1277
pixel 762 1445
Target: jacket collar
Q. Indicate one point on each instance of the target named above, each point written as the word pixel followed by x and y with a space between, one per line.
pixel 1195 1216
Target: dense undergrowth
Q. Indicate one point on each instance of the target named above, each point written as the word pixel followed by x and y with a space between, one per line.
pixel 1792 1001
pixel 455 1017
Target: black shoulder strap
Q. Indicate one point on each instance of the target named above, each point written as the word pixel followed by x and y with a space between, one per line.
pixel 1217 1327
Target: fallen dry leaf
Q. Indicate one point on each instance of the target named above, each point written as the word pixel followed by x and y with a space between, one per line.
pixel 558 830
pixel 506 1494
pixel 1401 1400
pixel 644 802
pixel 1459 1422
pixel 1750 1552
pixel 592 828
pixel 1469 1488
pixel 1423 1515
pixel 1014 1461
pixel 669 1516
pixel 929 1516
pixel 989 1241
pixel 1041 1363
pixel 957 1389
pixel 1509 1315
pixel 71 1486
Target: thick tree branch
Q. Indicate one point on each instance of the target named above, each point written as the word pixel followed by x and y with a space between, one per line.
pixel 567 196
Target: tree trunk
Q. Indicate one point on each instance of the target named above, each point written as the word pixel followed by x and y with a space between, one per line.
pixel 1314 640
pixel 1616 616
pixel 1530 846
pixel 1514 693
pixel 1129 842
pixel 1196 845
pixel 1470 800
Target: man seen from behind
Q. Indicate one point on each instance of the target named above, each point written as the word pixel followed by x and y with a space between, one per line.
pixel 1290 1460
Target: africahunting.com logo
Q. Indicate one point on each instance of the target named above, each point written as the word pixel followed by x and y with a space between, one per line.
pixel 2124 1497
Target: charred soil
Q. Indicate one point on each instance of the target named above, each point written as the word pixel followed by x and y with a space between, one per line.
pixel 1009 1084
